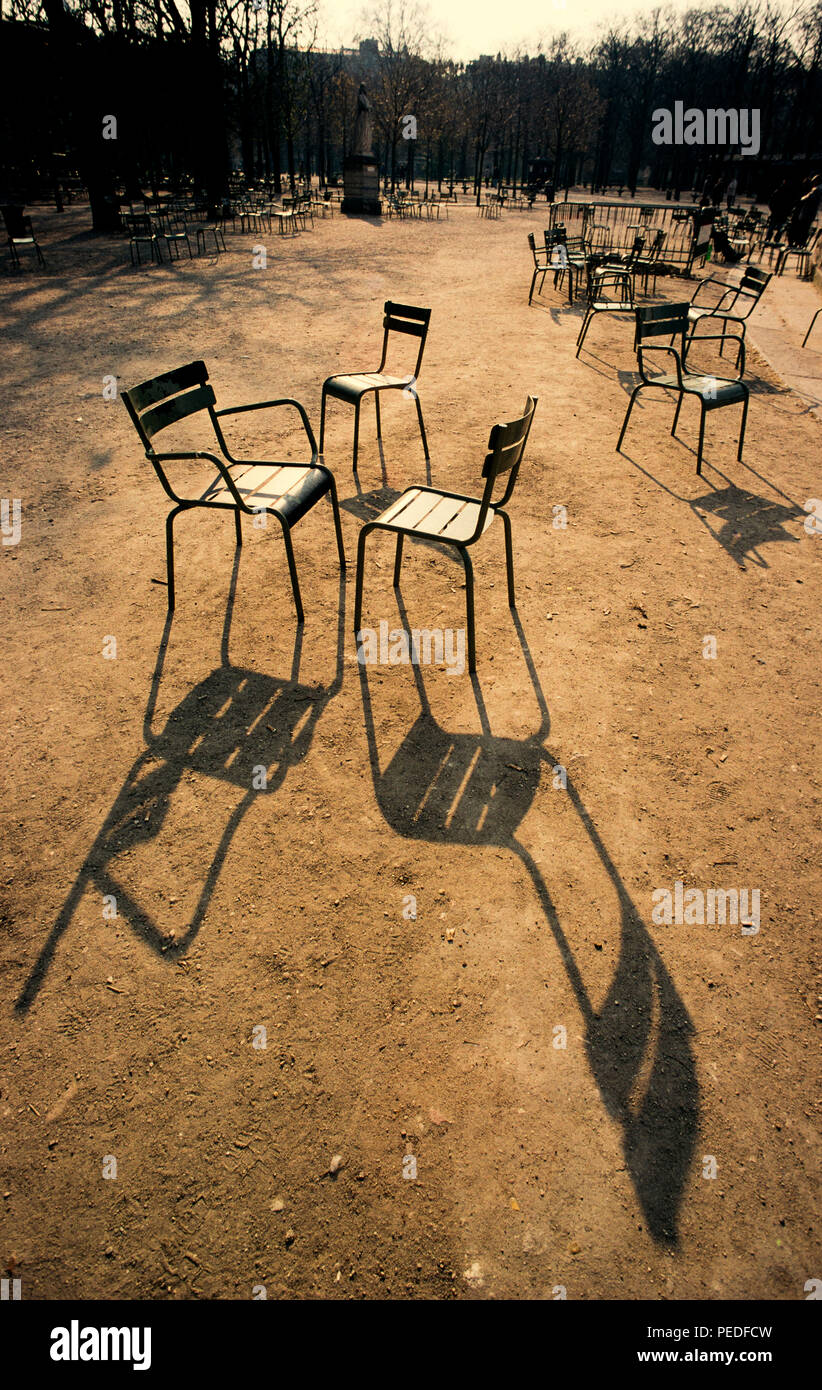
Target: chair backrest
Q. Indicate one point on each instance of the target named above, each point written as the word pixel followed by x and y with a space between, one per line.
pixel 532 242
pixel 506 445
pixel 405 318
pixel 754 280
pixel 164 400
pixel 661 321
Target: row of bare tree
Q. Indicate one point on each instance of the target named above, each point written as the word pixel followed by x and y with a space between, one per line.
pixel 201 88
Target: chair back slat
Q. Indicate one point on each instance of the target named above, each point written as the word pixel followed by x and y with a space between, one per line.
pixel 406 318
pixel 661 321
pixel 157 388
pixel 754 279
pixel 178 408
pixel 506 443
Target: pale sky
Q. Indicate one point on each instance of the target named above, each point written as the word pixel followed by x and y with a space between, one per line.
pixel 471 27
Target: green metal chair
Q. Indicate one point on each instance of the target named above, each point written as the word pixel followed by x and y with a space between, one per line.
pixel 735 305
pixel 542 265
pixel 243 486
pixel 399 318
pixel 610 291
pixel 425 513
pixel 671 321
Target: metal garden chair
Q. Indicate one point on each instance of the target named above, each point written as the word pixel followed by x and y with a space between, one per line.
pixel 142 232
pixel 671 321
pixel 244 486
pixel 399 318
pixel 803 253
pixel 21 235
pixel 425 513
pixel 609 292
pixel 736 304
pixel 542 264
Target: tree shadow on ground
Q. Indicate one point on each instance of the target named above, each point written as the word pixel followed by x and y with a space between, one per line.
pixel 227 727
pixel 476 789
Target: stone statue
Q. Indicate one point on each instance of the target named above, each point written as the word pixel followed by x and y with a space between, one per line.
pixel 363 125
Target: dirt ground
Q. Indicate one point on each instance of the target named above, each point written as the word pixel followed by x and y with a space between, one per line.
pixel 395 1044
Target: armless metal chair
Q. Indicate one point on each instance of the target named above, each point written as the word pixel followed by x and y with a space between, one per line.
pixel 242 486
pixel 425 513
pixel 541 265
pixel 671 321
pixel 399 318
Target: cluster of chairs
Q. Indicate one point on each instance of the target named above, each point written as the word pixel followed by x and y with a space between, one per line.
pixel 409 204
pixel 288 491
pixel 718 311
pixel 171 225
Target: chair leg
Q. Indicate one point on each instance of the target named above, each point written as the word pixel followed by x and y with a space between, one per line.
pixel 584 329
pixel 356 432
pixel 701 439
pixel 469 606
pixel 322 421
pixel 292 569
pixel 533 282
pixel 238 527
pixel 377 408
pixel 398 560
pixel 676 414
pixel 634 395
pixel 422 426
pixel 742 426
pixel 170 555
pixel 335 507
pixel 360 572
pixel 509 559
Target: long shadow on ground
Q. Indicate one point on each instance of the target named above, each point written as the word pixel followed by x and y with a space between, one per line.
pixel 475 789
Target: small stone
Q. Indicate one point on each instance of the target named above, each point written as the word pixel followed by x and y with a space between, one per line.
pixel 290 1237
pixel 336 1164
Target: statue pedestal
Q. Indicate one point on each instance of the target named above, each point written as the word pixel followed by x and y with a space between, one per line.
pixel 361 184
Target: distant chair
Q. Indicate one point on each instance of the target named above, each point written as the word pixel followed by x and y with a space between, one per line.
pixel 671 321
pixel 541 265
pixel 399 318
pixel 425 513
pixel 648 265
pixel 609 292
pixel 735 305
pixel 213 230
pixel 20 235
pixel 174 231
pixel 242 486
pixel 803 254
pixel 142 231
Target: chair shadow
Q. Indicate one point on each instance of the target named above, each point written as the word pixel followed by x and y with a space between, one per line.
pixel 747 520
pixel 229 725
pixel 475 789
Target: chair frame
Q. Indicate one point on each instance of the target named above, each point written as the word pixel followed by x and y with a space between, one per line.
pixel 160 401
pixel 671 320
pixel 506 446
pixel 620 278
pixel 398 318
pixel 540 267
pixel 803 253
pixel 726 312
